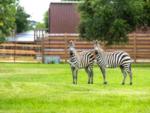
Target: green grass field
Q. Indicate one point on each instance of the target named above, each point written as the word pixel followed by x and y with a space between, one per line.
pixel 39 88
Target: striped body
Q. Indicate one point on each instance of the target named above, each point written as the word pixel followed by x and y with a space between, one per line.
pixel 112 60
pixel 79 60
pixel 82 59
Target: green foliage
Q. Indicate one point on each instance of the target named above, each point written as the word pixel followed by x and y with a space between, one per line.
pixel 40 25
pixel 2 37
pixel 22 22
pixel 146 14
pixel 41 88
pixel 111 20
pixel 11 16
pixel 46 19
pixel 7 16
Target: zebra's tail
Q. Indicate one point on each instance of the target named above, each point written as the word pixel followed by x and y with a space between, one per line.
pixel 132 60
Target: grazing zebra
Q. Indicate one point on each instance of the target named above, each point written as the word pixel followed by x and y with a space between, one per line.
pixel 112 60
pixel 79 60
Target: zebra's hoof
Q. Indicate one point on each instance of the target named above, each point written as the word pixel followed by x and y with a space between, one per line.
pixel 123 83
pixel 74 83
pixel 105 83
pixel 130 83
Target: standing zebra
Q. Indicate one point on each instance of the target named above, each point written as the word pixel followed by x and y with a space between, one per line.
pixel 112 60
pixel 79 60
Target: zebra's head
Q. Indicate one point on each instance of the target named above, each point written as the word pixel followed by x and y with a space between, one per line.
pixel 97 47
pixel 72 49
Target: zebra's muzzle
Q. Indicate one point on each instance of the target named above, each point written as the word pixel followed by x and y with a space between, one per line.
pixel 71 53
pixel 96 52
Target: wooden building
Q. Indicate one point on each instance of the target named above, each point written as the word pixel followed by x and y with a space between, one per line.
pixel 63 17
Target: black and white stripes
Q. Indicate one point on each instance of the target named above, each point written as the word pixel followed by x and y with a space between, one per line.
pixel 79 60
pixel 113 59
pixel 85 59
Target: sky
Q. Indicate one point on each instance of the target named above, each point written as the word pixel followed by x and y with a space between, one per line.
pixel 36 8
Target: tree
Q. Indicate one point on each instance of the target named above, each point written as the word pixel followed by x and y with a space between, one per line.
pixel 146 14
pixel 7 17
pixel 111 20
pixel 22 22
pixel 40 25
pixel 46 19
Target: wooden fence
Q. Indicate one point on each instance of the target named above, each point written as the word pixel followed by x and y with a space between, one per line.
pixel 56 45
pixel 138 46
pixel 18 51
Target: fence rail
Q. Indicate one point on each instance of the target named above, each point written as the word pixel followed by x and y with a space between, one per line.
pixel 18 52
pixel 56 45
pixel 138 46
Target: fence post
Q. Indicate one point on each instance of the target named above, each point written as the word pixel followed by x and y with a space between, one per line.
pixel 135 48
pixel 42 46
pixel 65 40
pixel 14 36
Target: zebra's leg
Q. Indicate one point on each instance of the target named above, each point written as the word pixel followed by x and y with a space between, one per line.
pixel 130 73
pixel 88 72
pixel 74 75
pixel 104 74
pixel 91 76
pixel 124 74
pixel 90 69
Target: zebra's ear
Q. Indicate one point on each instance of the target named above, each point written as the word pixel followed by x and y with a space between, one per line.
pixel 71 43
pixel 96 42
pixel 67 42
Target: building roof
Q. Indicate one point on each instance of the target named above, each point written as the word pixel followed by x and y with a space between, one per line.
pixel 63 17
pixel 64 2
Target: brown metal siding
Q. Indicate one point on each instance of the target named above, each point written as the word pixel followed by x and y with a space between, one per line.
pixel 64 18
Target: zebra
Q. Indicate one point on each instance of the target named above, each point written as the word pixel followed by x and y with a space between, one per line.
pixel 80 60
pixel 113 59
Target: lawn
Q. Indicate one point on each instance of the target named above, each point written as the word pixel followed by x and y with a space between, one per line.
pixel 41 88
